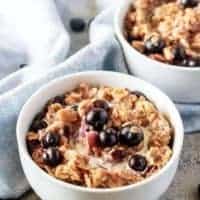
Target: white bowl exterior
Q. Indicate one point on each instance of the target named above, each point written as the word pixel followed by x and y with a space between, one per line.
pixel 49 188
pixel 180 83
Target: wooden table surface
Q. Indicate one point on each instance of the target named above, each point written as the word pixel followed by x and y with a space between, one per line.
pixel 185 183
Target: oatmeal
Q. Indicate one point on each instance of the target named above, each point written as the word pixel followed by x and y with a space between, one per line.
pixel 165 30
pixel 100 137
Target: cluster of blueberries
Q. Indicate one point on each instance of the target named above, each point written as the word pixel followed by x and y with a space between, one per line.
pixel 51 156
pixel 109 137
pixel 153 45
pixel 98 117
pixel 156 45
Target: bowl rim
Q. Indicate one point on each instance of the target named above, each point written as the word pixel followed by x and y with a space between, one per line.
pixel 119 20
pixel 24 152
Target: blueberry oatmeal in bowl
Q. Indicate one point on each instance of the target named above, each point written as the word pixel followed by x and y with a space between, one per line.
pixel 88 137
pixel 160 42
pixel 100 137
pixel 165 30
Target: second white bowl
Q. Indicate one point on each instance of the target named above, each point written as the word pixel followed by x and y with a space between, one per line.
pixel 180 83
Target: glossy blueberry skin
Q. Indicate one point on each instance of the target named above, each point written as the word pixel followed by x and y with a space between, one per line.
pixel 138 163
pixel 184 63
pixel 108 138
pixel 38 122
pixel 152 46
pixel 52 156
pixel 130 138
pixel 192 62
pixel 189 62
pixel 22 66
pixel 50 140
pixel 182 59
pixel 189 3
pixel 179 53
pixel 57 99
pixel 37 125
pixel 77 24
pixel 97 118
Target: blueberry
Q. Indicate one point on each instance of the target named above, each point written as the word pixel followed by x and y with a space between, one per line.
pixel 52 156
pixel 97 118
pixel 138 163
pixel 130 138
pixel 189 3
pixel 192 62
pixel 189 62
pixel 38 124
pixel 184 63
pixel 108 138
pixel 179 53
pixel 77 24
pixel 154 45
pixel 22 66
pixel 40 115
pixel 130 38
pixel 50 140
pixel 58 99
pixel 101 104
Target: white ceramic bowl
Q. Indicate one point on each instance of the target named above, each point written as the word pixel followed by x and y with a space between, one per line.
pixel 180 83
pixel 49 188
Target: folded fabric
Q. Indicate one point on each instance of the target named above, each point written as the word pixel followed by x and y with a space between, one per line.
pixel 103 53
pixel 103 4
pixel 31 33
